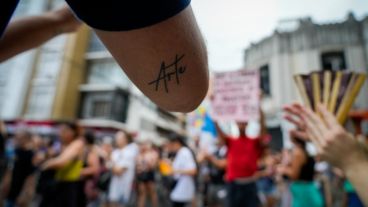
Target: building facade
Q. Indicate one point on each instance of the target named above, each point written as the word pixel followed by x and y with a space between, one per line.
pixel 302 46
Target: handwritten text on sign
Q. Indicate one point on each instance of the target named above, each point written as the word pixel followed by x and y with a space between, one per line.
pixel 236 96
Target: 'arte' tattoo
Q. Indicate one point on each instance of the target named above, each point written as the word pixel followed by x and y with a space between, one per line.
pixel 167 71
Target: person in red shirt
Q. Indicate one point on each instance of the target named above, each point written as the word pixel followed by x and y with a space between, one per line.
pixel 242 158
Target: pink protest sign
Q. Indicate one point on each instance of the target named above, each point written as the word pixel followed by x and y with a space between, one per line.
pixel 236 96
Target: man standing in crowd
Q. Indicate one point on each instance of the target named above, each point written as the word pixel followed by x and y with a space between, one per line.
pixel 242 157
pixel 123 169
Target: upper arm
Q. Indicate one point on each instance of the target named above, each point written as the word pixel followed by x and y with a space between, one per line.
pixel 93 159
pixel 221 135
pixel 220 163
pixel 166 60
pixel 262 122
pixel 71 152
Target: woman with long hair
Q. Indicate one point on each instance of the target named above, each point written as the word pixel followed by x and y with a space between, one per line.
pixel 91 170
pixel 184 171
pixel 68 166
pixel 146 166
pixel 304 190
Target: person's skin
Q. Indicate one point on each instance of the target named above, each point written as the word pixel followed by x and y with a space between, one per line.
pixel 38 144
pixel 93 163
pixel 22 139
pixel 3 136
pixel 299 158
pixel 142 52
pixel 334 144
pixel 218 163
pixel 28 32
pixel 166 61
pixel 147 188
pixel 269 160
pixel 2 128
pixel 72 148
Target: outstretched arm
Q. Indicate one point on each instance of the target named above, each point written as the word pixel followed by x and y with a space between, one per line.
pixel 262 123
pixel 333 143
pixel 167 60
pixel 28 32
pixel 69 154
pixel 221 135
pixel 218 163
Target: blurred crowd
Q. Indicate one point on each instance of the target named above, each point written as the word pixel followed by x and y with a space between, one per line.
pixel 77 170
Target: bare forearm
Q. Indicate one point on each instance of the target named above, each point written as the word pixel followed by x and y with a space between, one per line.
pixel 55 163
pixel 221 135
pixel 218 163
pixel 263 123
pixel 186 172
pixel 167 61
pixel 89 171
pixel 29 32
pixel 357 175
pixel 118 171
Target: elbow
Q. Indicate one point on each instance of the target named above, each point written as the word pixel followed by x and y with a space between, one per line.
pixel 188 97
pixel 58 165
pixel 187 104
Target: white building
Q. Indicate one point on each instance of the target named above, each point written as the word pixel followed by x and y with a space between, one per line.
pixel 302 46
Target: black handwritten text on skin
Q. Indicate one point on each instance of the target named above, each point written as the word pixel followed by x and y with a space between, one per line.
pixel 167 71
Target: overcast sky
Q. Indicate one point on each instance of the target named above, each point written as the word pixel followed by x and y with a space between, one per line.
pixel 229 26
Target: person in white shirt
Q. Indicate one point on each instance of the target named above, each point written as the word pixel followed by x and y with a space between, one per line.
pixel 184 170
pixel 123 169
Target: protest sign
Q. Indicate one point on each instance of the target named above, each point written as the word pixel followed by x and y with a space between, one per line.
pixel 236 96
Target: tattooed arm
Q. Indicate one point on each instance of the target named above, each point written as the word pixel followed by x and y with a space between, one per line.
pixel 176 45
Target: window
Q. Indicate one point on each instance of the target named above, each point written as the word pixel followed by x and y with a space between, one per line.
pixel 265 80
pixel 100 109
pixel 104 104
pixel 333 61
pixel 40 102
pixel 147 125
pixel 106 71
